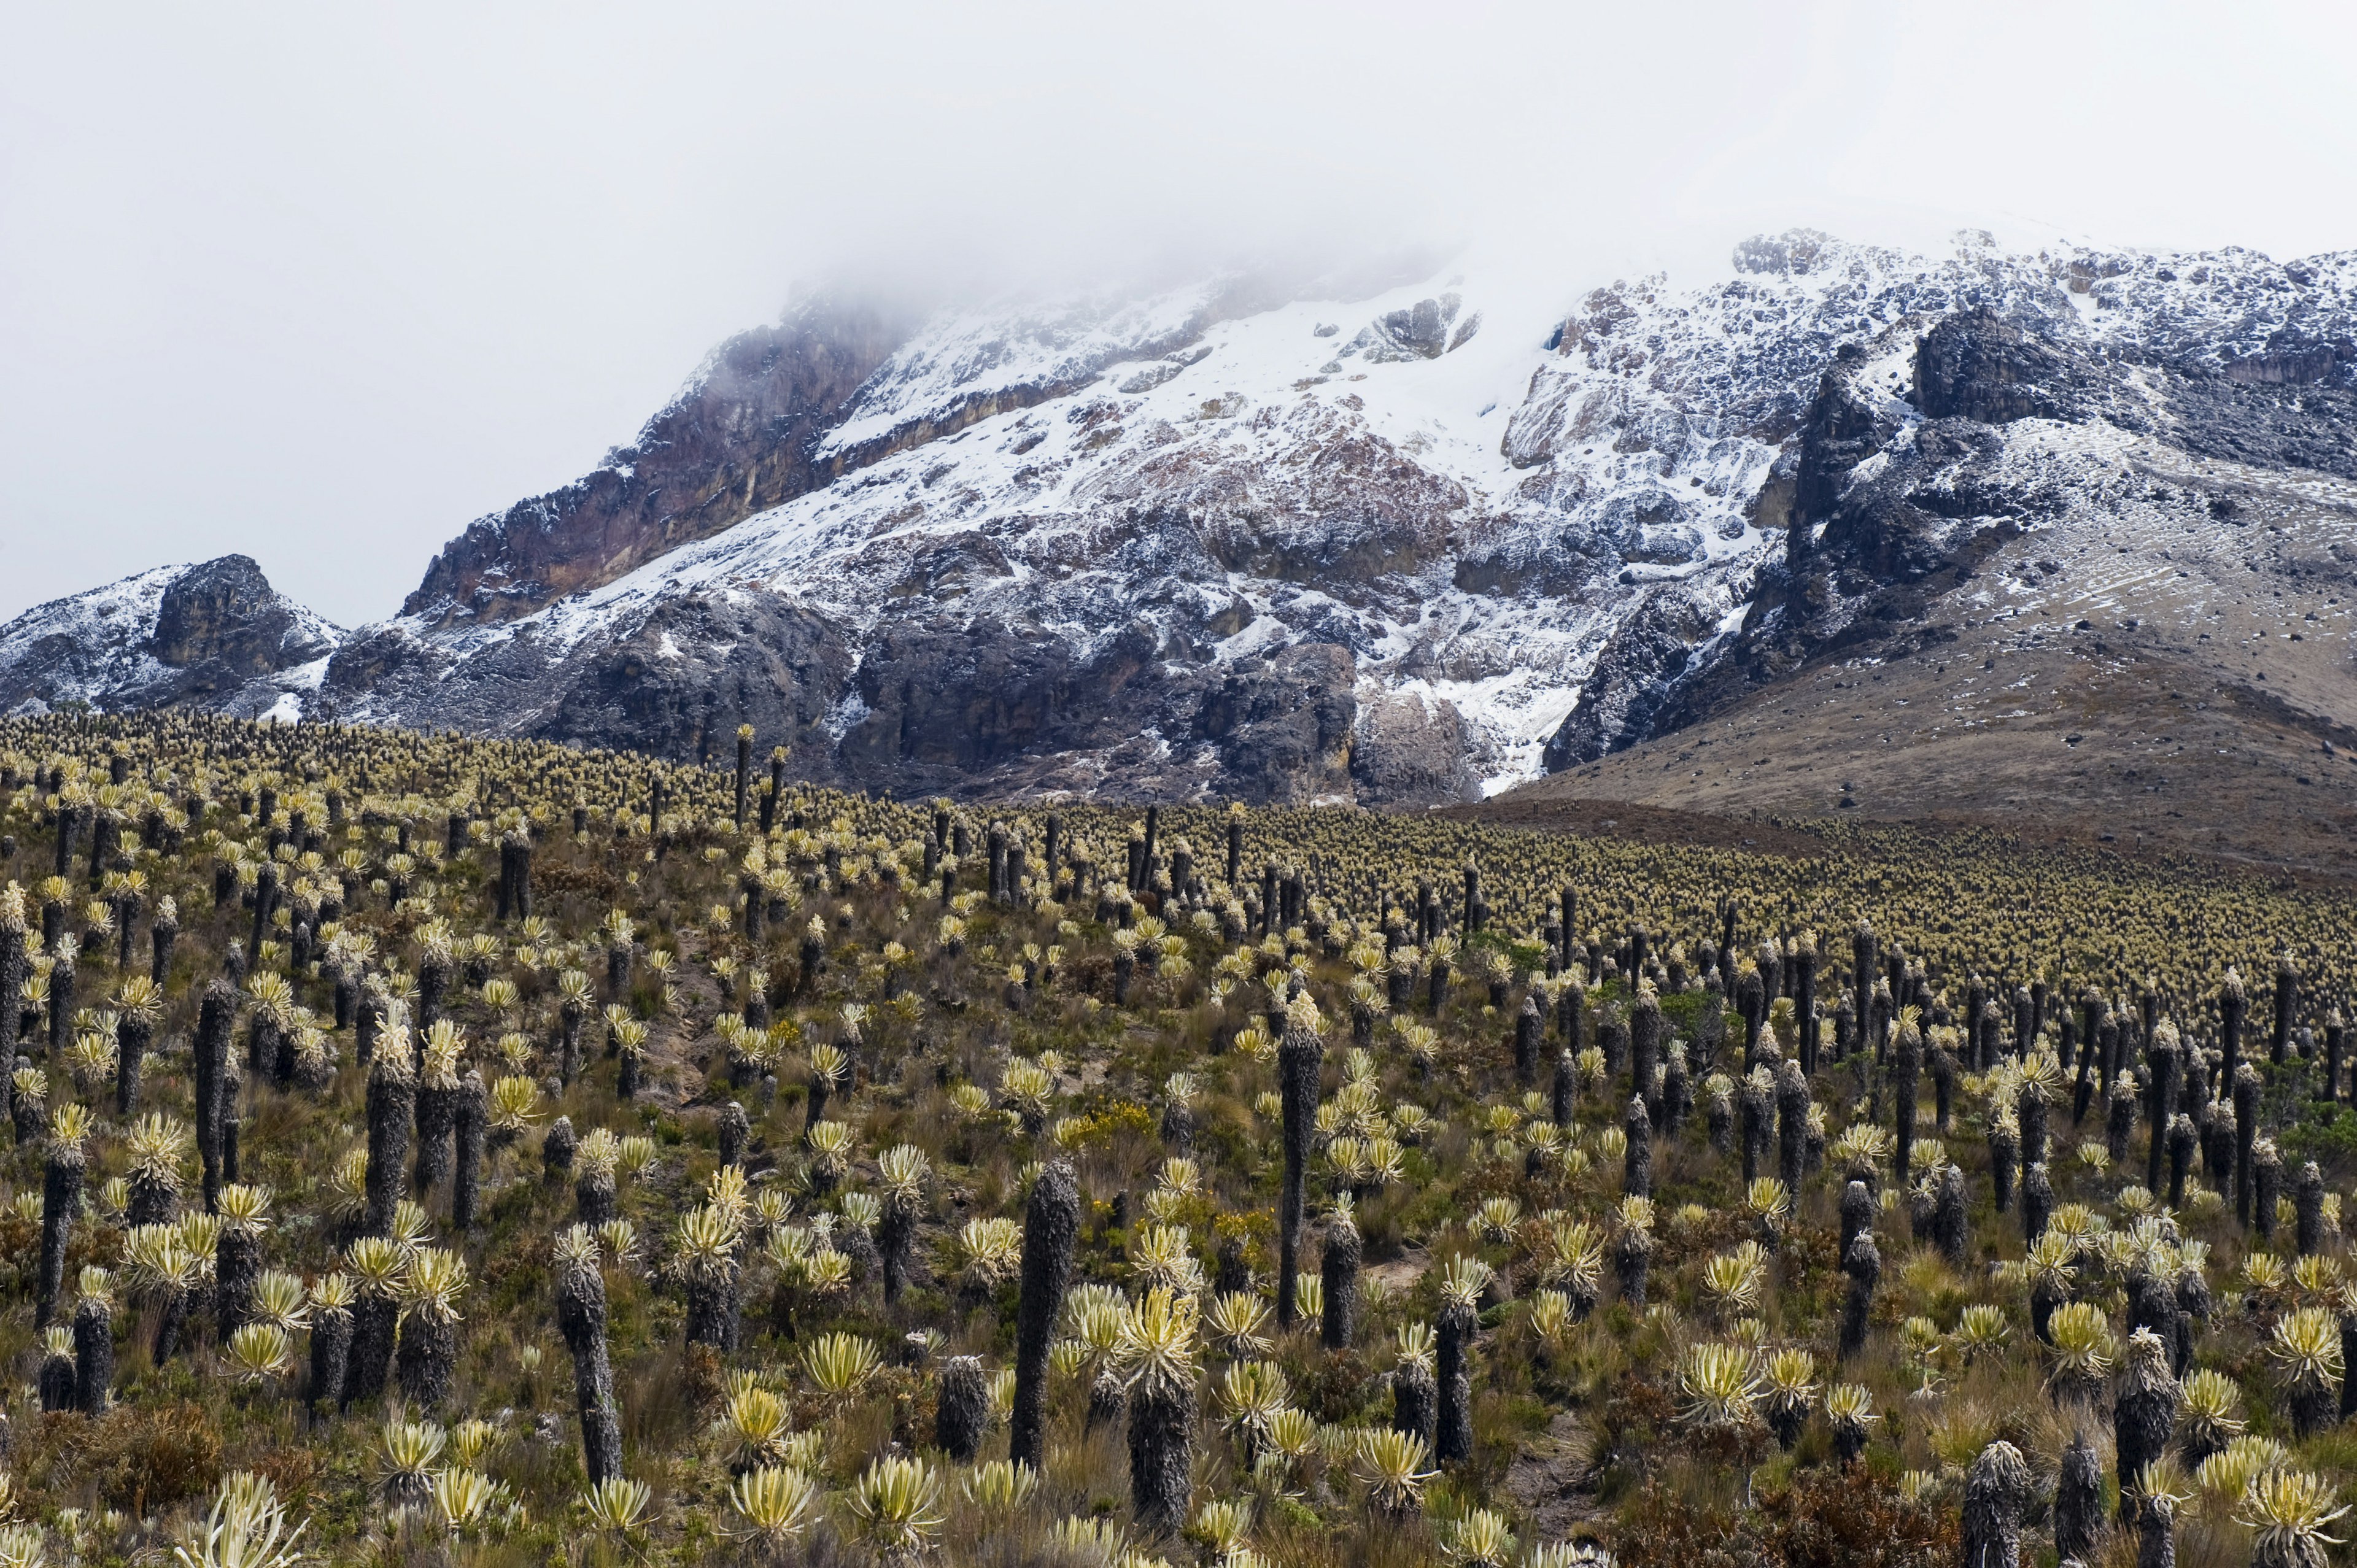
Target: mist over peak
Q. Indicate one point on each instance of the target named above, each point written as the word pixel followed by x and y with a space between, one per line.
pixel 382 274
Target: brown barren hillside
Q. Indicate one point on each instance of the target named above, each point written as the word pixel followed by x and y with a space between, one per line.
pixel 2170 673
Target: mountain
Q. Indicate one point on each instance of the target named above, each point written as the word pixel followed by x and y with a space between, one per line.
pixel 1423 544
pixel 1201 543
pixel 2087 572
pixel 215 635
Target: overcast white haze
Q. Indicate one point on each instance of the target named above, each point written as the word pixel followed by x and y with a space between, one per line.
pixel 321 284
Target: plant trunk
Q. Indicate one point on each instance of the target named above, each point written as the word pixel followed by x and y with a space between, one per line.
pixel 433 983
pixel 93 1332
pixel 895 1232
pixel 1298 1061
pixel 2246 1128
pixel 1453 1433
pixel 438 1117
pixel 1340 1270
pixel 392 1112
pixel 593 1196
pixel 60 1200
pixel 1903 1085
pixel 2004 1154
pixel 2036 1202
pixel 371 1349
pixel 2156 1534
pixel 1161 1456
pixel 237 1264
pixel 712 1307
pixel 171 1322
pixel 962 1412
pixel 568 1045
pixel 1637 1160
pixel 466 1180
pixel 1951 1225
pixel 2078 1502
pixel 1414 1400
pixel 55 1382
pixel 331 1350
pixel 1862 1262
pixel 428 1354
pixel 1995 1492
pixel 1051 1224
pixel 131 1037
pixel 581 1315
pixel 1791 1126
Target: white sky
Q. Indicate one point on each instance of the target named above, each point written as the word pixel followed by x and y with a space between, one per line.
pixel 322 283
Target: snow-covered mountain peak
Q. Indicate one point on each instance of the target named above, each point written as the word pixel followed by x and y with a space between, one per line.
pixel 1226 537
pixel 1051 534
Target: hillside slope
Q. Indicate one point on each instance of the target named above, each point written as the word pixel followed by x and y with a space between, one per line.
pixel 2119 607
pixel 214 635
pixel 1400 550
pixel 1302 542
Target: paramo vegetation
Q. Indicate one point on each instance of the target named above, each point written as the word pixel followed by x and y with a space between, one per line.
pixel 430 1151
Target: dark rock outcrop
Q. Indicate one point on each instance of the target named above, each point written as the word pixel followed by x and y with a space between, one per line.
pixel 990 706
pixel 943 702
pixel 1283 725
pixel 222 626
pixel 677 685
pixel 1412 751
pixel 1842 431
pixel 927 703
pixel 2266 424
pixel 2292 364
pixel 1865 547
pixel 1868 547
pixel 224 619
pixel 1419 331
pixel 1636 677
pixel 215 635
pixel 1893 544
pixel 1976 365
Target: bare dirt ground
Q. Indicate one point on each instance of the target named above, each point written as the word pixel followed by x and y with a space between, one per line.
pixel 1551 1479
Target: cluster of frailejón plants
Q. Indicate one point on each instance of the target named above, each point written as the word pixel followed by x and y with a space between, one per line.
pixel 433 1150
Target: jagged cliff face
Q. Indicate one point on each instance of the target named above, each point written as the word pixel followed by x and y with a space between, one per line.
pixel 739 441
pixel 214 635
pixel 2082 615
pixel 1967 424
pixel 1398 550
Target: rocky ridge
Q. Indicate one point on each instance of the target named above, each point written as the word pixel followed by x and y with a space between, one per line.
pixel 1929 447
pixel 1398 550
